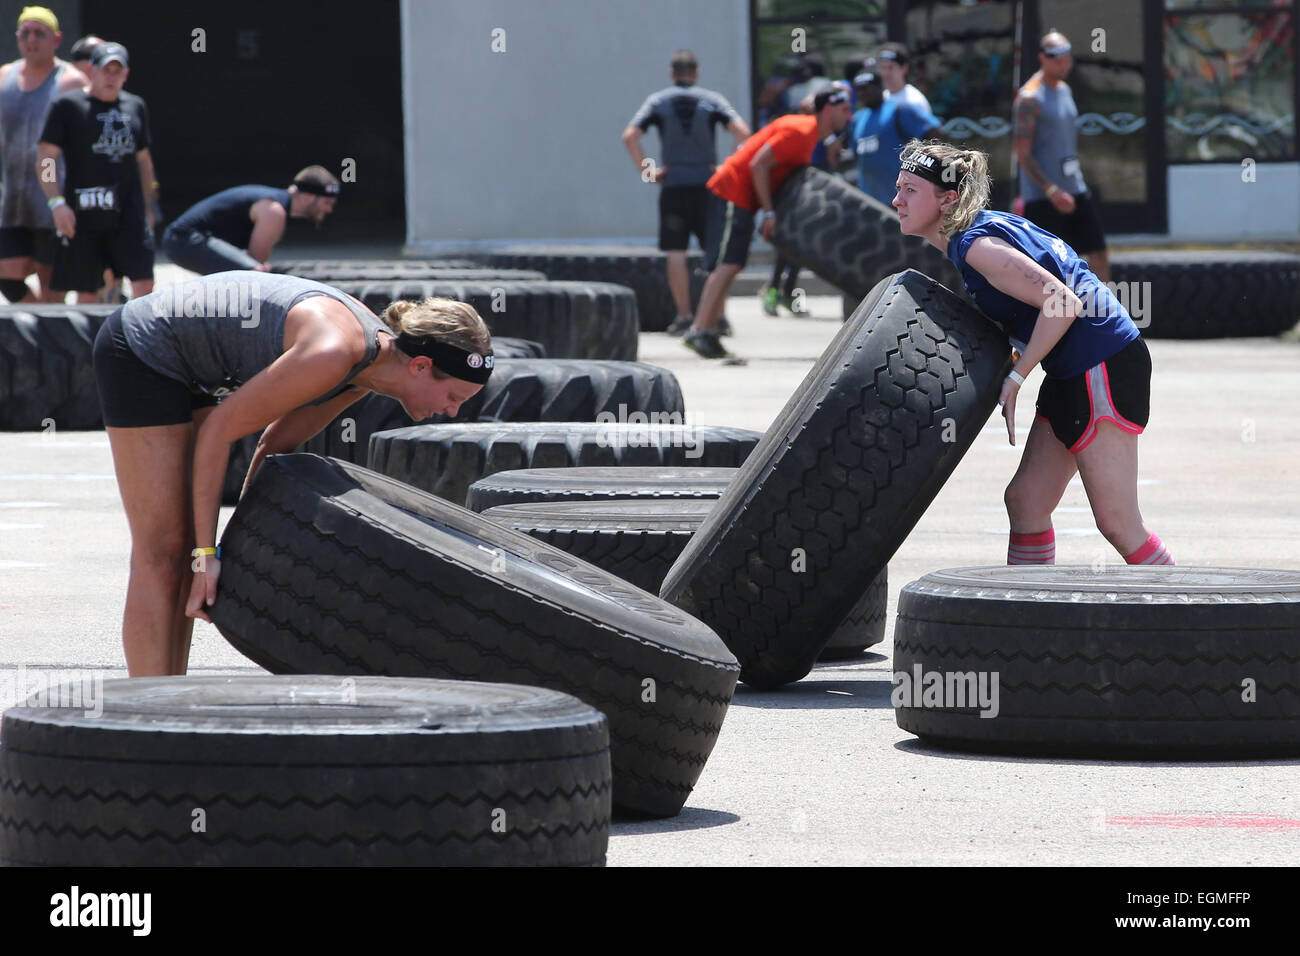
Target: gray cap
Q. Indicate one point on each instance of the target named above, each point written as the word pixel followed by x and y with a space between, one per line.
pixel 107 53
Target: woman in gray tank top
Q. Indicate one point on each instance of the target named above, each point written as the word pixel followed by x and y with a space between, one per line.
pixel 189 369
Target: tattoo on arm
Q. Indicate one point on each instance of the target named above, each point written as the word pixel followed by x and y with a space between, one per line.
pixel 1027 112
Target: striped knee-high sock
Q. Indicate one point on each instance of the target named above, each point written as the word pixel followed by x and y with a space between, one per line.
pixel 1153 552
pixel 1037 548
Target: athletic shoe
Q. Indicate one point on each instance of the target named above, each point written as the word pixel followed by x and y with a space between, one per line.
pixel 705 344
pixel 769 296
pixel 724 327
pixel 680 325
pixel 792 305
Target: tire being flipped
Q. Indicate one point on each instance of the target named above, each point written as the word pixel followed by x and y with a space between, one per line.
pixel 581 320
pixel 844 473
pixel 640 268
pixel 328 568
pixel 1163 662
pixel 518 390
pixel 446 459
pixel 849 238
pixel 304 771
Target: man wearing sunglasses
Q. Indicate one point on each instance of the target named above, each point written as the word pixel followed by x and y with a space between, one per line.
pixel 27 88
pixel 1045 143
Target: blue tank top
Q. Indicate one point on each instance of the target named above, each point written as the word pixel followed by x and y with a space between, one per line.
pixel 225 215
pixel 1094 336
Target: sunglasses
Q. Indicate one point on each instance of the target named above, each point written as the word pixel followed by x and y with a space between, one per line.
pixel 38 34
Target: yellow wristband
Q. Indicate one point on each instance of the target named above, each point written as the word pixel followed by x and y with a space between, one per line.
pixel 206 553
pixel 1053 189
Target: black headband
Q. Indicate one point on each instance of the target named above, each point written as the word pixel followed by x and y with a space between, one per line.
pixel 468 366
pixel 317 189
pixel 930 169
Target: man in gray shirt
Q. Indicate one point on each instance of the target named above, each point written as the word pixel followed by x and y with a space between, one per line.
pixel 27 88
pixel 686 116
pixel 1045 144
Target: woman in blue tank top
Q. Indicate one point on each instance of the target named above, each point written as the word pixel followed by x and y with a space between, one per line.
pixel 1095 396
pixel 187 370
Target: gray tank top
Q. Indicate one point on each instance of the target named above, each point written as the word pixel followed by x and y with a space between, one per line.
pixel 1055 141
pixel 217 332
pixel 22 120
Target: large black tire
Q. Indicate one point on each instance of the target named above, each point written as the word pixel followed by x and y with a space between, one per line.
pixel 306 771
pixel 45 366
pixel 447 459
pixel 596 485
pixel 844 473
pixel 1207 295
pixel 639 539
pixel 527 390
pixel 1156 662
pixel 583 320
pixel 862 627
pixel 640 268
pixel 332 569
pixel 849 238
pixel 394 270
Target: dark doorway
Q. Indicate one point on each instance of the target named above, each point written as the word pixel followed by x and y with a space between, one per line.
pixel 279 87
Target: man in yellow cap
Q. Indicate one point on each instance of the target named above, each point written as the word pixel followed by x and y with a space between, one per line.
pixel 27 87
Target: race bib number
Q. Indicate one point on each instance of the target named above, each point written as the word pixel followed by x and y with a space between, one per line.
pixel 97 197
pixel 1070 166
pixel 868 144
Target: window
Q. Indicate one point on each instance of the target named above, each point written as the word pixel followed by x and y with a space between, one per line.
pixel 1230 81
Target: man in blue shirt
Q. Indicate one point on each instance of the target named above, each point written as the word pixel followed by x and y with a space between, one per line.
pixel 879 131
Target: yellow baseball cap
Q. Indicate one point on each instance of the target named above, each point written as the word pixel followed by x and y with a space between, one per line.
pixel 42 15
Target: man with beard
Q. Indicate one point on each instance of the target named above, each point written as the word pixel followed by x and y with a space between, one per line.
pixel 238 227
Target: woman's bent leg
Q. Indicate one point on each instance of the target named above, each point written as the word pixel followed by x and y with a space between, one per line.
pixel 1109 467
pixel 1046 467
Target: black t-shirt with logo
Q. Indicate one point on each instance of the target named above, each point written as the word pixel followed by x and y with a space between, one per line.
pixel 99 142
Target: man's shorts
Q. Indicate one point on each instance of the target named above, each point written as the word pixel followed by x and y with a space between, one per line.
pixel 1118 389
pixel 1081 229
pixel 126 248
pixel 19 242
pixel 731 242
pixel 133 395
pixel 202 253
pixel 687 210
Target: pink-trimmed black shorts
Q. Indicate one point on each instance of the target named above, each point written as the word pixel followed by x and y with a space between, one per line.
pixel 1118 390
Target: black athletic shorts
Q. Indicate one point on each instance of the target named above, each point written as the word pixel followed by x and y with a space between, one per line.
pixel 1081 229
pixel 730 244
pixel 1118 389
pixel 19 242
pixel 687 210
pixel 133 395
pixel 126 248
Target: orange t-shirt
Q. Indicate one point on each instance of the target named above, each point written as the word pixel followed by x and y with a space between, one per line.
pixel 792 138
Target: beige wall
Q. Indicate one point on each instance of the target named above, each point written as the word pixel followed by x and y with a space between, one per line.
pixel 524 144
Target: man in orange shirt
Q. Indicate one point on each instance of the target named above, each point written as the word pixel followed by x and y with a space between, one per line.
pixel 747 182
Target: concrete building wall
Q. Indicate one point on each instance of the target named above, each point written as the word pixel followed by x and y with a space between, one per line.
pixel 521 141
pixel 1213 202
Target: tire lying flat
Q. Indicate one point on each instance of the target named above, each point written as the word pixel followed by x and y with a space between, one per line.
pixel 45 366
pixel 581 320
pixel 447 459
pixel 844 473
pixel 639 539
pixel 519 390
pixel 331 569
pixel 642 269
pixel 1155 662
pixel 306 771
pixel 1224 293
pixel 596 484
pixel 394 270
pixel 849 238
